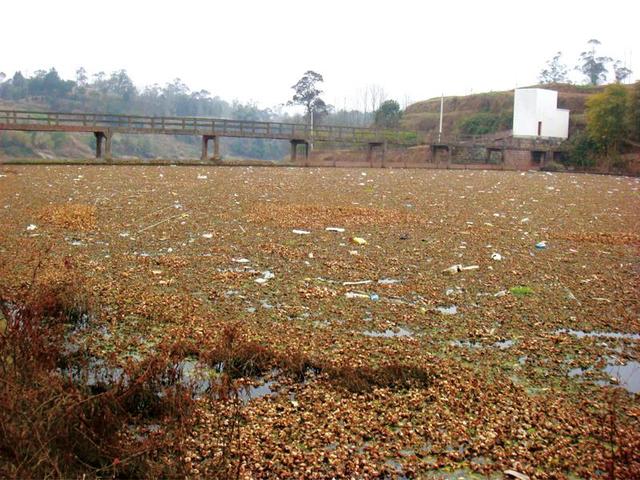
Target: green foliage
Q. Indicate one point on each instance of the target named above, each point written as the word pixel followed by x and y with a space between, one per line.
pixel 59 140
pixel 593 66
pixel 620 71
pixel 607 117
pixel 307 93
pixel 555 72
pixel 521 291
pixel 16 144
pixel 485 122
pixel 388 115
pixel 553 166
pixel 583 150
pixel 634 113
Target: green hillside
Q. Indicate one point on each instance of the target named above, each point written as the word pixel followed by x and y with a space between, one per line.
pixel 488 112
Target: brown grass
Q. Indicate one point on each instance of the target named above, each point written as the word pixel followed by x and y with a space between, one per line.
pixel 55 422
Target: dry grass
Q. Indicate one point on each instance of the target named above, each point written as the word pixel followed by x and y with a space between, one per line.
pixel 61 416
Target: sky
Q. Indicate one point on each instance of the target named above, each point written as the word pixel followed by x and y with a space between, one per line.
pixel 255 50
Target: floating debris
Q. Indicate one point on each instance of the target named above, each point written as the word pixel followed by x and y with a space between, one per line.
pixel 359 282
pixel 356 295
pixel 453 269
pixel 266 276
pixel 449 310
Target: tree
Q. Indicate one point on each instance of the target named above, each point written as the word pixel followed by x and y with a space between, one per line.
pixel 620 71
pixel 555 72
pixel 81 77
pixel 634 112
pixel 377 96
pixel 307 94
pixel 388 114
pixel 120 84
pixel 607 117
pixel 592 66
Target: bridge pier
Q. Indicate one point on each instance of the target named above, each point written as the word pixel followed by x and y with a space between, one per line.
pixel 205 147
pixel 491 150
pixel 440 150
pixel 106 138
pixel 294 151
pixel 371 146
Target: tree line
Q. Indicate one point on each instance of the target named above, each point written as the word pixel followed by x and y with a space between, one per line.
pixel 116 93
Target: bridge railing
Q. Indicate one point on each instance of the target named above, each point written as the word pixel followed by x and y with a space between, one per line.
pixel 204 125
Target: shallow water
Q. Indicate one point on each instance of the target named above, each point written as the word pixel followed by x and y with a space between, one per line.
pixel 389 333
pixel 503 344
pixel 583 334
pixel 448 310
pixel 626 376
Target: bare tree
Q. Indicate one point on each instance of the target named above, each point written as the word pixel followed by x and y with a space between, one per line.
pixel 377 96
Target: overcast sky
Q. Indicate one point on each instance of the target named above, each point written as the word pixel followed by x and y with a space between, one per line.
pixel 255 50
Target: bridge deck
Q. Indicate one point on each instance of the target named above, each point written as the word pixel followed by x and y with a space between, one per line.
pixel 92 122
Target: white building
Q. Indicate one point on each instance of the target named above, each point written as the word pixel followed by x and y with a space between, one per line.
pixel 536 114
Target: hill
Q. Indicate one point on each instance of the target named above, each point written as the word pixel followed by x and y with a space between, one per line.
pixel 489 112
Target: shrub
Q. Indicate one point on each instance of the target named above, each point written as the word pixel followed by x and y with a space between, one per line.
pixel 485 122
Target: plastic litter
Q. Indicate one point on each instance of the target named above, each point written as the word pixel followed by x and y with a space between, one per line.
pixel 266 276
pixel 496 256
pixel 335 229
pixel 241 260
pixel 358 240
pixel 356 295
pixel 453 269
pixel 31 227
pixel 388 281
pixel 541 245
pixel 374 296
pixel 300 232
pixel 207 235
pixel 514 474
pixel 359 282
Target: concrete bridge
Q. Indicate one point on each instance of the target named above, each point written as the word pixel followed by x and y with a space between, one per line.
pixel 104 126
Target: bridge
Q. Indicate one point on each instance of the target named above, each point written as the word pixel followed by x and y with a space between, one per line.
pixel 104 126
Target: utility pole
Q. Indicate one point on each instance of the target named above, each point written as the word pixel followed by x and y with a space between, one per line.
pixel 441 109
pixel 311 120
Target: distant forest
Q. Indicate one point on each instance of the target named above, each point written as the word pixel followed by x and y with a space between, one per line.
pixel 116 93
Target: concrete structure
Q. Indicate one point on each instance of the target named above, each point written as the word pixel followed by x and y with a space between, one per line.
pixel 496 150
pixel 536 114
pixel 104 126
